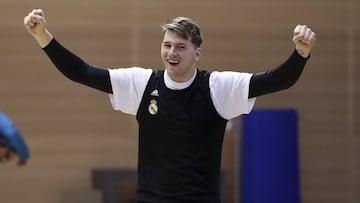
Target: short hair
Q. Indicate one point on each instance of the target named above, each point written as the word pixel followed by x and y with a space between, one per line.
pixel 185 28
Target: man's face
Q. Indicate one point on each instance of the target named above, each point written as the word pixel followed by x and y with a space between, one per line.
pixel 179 56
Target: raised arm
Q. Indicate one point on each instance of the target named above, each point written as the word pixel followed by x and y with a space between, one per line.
pixel 286 74
pixel 65 61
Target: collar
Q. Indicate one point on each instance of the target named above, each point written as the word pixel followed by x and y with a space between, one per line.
pixel 177 85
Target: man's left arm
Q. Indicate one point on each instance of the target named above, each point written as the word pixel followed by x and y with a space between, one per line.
pixel 287 73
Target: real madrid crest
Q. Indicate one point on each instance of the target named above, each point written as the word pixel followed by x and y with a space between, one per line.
pixel 153 108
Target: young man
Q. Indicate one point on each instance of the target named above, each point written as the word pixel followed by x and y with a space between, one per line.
pixel 181 110
pixel 11 142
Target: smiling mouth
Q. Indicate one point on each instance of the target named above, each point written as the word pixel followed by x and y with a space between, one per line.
pixel 173 62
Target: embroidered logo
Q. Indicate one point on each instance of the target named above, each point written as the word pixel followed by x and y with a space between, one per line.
pixel 153 108
pixel 155 93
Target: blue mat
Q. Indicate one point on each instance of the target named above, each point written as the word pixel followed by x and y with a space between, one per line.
pixel 270 161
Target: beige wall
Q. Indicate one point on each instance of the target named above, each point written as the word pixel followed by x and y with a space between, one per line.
pixel 72 129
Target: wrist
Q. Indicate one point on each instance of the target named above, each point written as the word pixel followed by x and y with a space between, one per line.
pixel 302 52
pixel 44 39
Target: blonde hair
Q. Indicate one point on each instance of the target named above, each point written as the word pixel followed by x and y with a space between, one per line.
pixel 185 28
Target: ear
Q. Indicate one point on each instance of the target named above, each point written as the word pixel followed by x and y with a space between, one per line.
pixel 197 54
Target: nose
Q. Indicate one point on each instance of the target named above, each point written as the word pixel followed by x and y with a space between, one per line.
pixel 172 51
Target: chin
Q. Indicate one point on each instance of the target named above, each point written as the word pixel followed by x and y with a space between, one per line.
pixel 174 73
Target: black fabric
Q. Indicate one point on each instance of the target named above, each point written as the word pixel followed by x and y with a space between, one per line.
pixel 280 78
pixel 76 69
pixel 179 146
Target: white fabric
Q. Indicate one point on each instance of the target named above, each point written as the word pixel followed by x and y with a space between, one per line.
pixel 177 85
pixel 128 85
pixel 229 90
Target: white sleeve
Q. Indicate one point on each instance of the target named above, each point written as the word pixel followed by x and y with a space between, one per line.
pixel 229 92
pixel 128 86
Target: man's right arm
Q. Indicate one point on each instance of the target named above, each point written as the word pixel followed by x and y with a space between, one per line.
pixel 65 61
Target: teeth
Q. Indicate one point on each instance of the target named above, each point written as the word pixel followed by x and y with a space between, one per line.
pixel 173 61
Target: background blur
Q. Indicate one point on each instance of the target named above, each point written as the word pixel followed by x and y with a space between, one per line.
pixel 72 129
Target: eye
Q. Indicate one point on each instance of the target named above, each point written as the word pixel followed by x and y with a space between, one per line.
pixel 181 47
pixel 166 45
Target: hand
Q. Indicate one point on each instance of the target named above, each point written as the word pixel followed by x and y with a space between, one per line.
pixel 304 40
pixel 35 24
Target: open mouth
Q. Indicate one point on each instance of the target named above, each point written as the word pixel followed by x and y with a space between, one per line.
pixel 173 62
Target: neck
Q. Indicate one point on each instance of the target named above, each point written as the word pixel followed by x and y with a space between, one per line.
pixel 175 85
pixel 181 75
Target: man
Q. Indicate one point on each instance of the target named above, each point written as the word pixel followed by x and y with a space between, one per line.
pixel 11 142
pixel 181 110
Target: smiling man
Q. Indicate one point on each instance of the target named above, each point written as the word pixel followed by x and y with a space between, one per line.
pixel 180 50
pixel 181 110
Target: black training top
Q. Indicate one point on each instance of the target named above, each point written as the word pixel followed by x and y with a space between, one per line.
pixel 180 143
pixel 180 161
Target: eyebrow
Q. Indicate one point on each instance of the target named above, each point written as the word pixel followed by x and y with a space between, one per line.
pixel 177 44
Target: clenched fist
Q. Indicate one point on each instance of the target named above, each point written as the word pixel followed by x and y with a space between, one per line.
pixel 35 24
pixel 304 39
